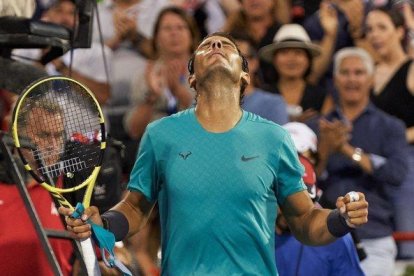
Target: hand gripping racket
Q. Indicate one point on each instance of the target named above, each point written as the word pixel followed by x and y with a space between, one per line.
pixel 64 124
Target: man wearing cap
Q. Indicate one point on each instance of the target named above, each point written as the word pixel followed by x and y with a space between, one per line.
pixel 363 148
pixel 294 258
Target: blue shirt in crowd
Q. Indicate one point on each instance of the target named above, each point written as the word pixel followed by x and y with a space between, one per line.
pixel 338 258
pixel 269 106
pixel 382 137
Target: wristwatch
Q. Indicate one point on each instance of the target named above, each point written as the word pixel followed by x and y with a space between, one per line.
pixel 357 155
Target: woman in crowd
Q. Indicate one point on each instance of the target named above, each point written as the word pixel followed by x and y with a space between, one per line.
pixel 163 89
pixel 394 93
pixel 292 54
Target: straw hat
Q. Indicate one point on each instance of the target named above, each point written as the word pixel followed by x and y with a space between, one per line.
pixel 289 36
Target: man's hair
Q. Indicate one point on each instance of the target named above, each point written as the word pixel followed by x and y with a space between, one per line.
pixel 354 52
pixel 245 64
pixel 46 105
pixel 393 13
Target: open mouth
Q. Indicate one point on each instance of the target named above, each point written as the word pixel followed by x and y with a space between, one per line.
pixel 377 45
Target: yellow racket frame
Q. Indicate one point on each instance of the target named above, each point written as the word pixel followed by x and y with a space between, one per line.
pixel 57 192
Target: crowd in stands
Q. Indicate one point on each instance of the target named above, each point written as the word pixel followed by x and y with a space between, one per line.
pixel 342 67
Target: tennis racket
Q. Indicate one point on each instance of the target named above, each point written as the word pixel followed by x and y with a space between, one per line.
pixel 64 124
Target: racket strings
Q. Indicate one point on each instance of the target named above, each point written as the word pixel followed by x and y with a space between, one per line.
pixel 64 167
pixel 62 121
pixel 83 147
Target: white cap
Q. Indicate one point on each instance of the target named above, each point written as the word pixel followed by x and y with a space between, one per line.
pixel 303 137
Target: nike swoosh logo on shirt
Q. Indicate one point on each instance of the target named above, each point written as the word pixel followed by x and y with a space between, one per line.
pixel 245 159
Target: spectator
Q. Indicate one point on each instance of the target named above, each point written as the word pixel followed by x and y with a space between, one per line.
pixel 163 90
pixel 394 93
pixel 19 240
pixel 87 65
pixel 126 27
pixel 292 54
pixel 349 32
pixel 363 148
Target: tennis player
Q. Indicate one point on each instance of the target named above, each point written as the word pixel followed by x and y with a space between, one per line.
pixel 218 173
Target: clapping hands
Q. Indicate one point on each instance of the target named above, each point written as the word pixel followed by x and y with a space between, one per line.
pixel 125 24
pixel 333 136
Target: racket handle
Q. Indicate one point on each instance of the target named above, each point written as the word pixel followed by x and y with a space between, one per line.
pixel 88 251
pixel 89 258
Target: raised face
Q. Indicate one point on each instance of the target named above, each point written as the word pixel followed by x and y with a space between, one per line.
pixel 353 81
pixel 382 34
pixel 174 36
pixel 291 62
pixel 62 13
pixel 217 53
pixel 46 131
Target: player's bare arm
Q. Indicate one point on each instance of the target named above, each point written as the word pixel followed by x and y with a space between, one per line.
pixel 133 209
pixel 310 225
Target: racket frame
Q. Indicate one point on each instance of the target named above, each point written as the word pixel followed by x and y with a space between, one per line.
pixel 87 247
